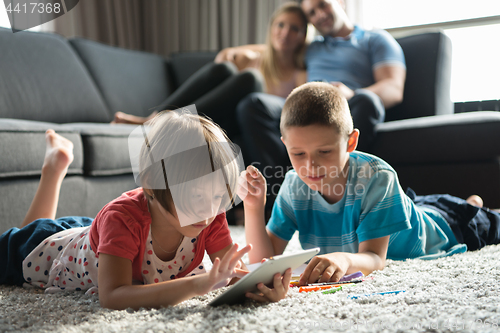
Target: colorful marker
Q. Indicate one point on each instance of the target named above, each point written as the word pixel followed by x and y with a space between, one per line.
pixel 373 294
pixel 329 283
pixel 332 290
pixel 307 289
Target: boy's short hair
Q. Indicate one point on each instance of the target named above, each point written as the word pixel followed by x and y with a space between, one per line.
pixel 317 103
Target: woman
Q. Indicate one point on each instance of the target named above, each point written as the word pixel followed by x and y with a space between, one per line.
pixel 236 72
pixel 281 59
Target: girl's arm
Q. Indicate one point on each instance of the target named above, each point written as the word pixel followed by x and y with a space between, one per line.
pixel 116 290
pixel 267 294
pixel 219 254
pixel 331 267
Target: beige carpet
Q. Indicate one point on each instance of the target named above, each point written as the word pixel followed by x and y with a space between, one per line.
pixel 455 294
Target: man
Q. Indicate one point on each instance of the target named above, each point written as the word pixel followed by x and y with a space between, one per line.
pixel 367 66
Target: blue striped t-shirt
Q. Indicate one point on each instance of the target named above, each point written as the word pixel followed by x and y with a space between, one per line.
pixel 373 205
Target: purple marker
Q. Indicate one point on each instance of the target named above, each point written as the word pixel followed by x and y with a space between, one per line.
pixel 351 276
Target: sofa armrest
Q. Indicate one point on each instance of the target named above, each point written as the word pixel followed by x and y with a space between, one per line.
pixel 428 77
pixel 456 138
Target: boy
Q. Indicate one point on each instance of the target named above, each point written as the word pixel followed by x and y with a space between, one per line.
pixel 350 203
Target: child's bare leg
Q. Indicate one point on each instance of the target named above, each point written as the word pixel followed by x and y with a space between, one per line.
pixel 124 118
pixel 58 157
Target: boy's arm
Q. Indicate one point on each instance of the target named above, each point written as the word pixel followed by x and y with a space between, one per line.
pixel 331 267
pixel 265 244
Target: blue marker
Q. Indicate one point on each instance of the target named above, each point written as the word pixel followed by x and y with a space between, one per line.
pixel 373 294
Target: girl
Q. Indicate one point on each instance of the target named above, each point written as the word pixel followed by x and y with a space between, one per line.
pixel 138 250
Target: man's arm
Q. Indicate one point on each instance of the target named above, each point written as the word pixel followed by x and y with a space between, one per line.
pixel 389 84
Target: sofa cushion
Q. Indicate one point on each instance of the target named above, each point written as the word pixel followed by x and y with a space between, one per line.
pixel 130 81
pixel 105 148
pixel 80 196
pixel 464 137
pixel 23 147
pixel 43 79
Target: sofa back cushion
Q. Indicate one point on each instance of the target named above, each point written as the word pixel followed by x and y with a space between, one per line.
pixel 428 75
pixel 130 81
pixel 41 78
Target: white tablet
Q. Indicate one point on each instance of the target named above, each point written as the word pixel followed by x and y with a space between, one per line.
pixel 264 273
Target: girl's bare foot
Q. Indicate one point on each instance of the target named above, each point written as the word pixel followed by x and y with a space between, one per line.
pixel 58 154
pixel 124 118
pixel 58 157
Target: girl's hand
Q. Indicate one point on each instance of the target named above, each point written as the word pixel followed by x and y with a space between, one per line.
pixel 280 284
pixel 253 187
pixel 223 270
pixel 327 268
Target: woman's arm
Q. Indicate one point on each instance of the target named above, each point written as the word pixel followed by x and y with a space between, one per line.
pixel 116 290
pixel 243 57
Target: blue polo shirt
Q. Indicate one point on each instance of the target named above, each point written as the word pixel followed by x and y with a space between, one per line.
pixel 373 206
pixel 352 60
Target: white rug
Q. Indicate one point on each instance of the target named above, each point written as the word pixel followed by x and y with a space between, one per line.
pixel 455 294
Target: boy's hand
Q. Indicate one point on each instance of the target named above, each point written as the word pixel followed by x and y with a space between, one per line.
pixel 223 270
pixel 280 284
pixel 253 187
pixel 330 267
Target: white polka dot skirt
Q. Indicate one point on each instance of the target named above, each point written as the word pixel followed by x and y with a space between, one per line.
pixel 63 261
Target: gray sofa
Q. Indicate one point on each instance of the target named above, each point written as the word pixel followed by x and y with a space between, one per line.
pixel 75 86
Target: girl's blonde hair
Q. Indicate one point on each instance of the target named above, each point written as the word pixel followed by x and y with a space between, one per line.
pixel 268 65
pixel 180 147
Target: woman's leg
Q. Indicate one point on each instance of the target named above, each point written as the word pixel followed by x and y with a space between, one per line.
pixel 220 103
pixel 200 83
pixel 58 157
